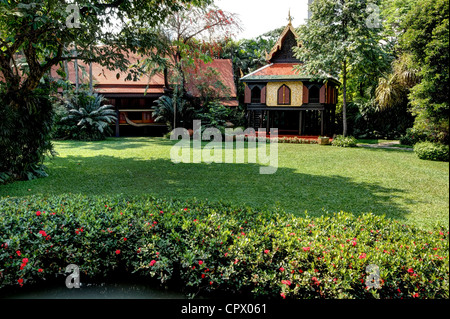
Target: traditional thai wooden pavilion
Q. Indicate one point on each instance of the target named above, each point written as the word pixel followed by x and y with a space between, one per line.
pixel 277 96
pixel 135 100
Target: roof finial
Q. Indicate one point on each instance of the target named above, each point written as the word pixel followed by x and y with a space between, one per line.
pixel 290 18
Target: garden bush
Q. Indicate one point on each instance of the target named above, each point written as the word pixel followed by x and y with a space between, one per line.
pixel 215 249
pixel 432 151
pixel 413 136
pixel 25 132
pixel 343 141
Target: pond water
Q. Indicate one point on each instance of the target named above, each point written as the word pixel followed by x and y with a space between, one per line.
pixel 120 289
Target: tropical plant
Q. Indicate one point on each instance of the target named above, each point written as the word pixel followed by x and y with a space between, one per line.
pixel 164 111
pixel 91 118
pixel 215 115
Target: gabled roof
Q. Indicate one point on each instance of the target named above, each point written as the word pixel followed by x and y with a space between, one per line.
pixel 277 47
pixel 107 82
pixel 279 71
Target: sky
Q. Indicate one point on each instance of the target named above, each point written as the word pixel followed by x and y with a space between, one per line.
pixel 261 16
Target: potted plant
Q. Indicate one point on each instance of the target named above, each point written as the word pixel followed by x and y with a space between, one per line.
pixel 323 140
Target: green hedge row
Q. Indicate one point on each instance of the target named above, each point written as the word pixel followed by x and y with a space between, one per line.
pixel 432 151
pixel 344 141
pixel 220 248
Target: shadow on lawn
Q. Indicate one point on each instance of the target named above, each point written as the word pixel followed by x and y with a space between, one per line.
pixel 237 183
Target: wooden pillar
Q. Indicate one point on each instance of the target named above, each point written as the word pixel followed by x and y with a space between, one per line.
pixel 300 124
pixel 333 121
pixel 322 120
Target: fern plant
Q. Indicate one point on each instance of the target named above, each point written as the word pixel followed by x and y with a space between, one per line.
pixel 92 119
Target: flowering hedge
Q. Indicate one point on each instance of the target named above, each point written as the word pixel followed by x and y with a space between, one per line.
pixel 219 248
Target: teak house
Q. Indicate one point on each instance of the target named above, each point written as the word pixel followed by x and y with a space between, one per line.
pixel 277 96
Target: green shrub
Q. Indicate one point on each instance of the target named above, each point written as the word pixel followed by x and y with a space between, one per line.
pixel 342 141
pixel 432 151
pixel 216 248
pixel 413 136
pixel 87 118
pixel 25 132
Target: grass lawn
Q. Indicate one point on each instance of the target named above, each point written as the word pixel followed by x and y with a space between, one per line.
pixel 310 178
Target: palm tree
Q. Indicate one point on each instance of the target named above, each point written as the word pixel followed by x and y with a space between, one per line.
pixel 393 89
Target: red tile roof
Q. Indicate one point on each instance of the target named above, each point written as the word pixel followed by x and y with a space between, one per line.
pixel 278 69
pixel 106 81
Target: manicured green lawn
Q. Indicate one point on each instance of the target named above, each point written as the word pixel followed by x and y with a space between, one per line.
pixel 310 178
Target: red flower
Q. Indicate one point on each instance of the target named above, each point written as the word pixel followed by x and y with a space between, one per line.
pixel 286 282
pixel 266 251
pixel 18 253
pixel 416 295
pixel 362 256
pixel 25 260
pixel 152 263
pixel 125 239
pixel 38 213
pixel 226 254
pixel 43 233
pixel 306 249
pixel 281 269
pixel 200 262
pixel 283 295
pixel 185 209
pixel 411 271
pixel 20 281
pixel 203 275
pixel 211 283
pixel 354 243
pixel 40 270
pixel 117 252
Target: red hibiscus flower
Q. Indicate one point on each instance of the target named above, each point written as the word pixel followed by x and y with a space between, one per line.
pixel 18 253
pixel 200 262
pixel 38 213
pixel 117 252
pixel 43 233
pixel 152 263
pixel 25 260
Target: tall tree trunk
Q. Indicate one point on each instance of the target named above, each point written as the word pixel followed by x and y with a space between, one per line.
pixel 344 103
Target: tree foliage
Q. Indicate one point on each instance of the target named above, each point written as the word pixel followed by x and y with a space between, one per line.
pixel 339 40
pixel 38 35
